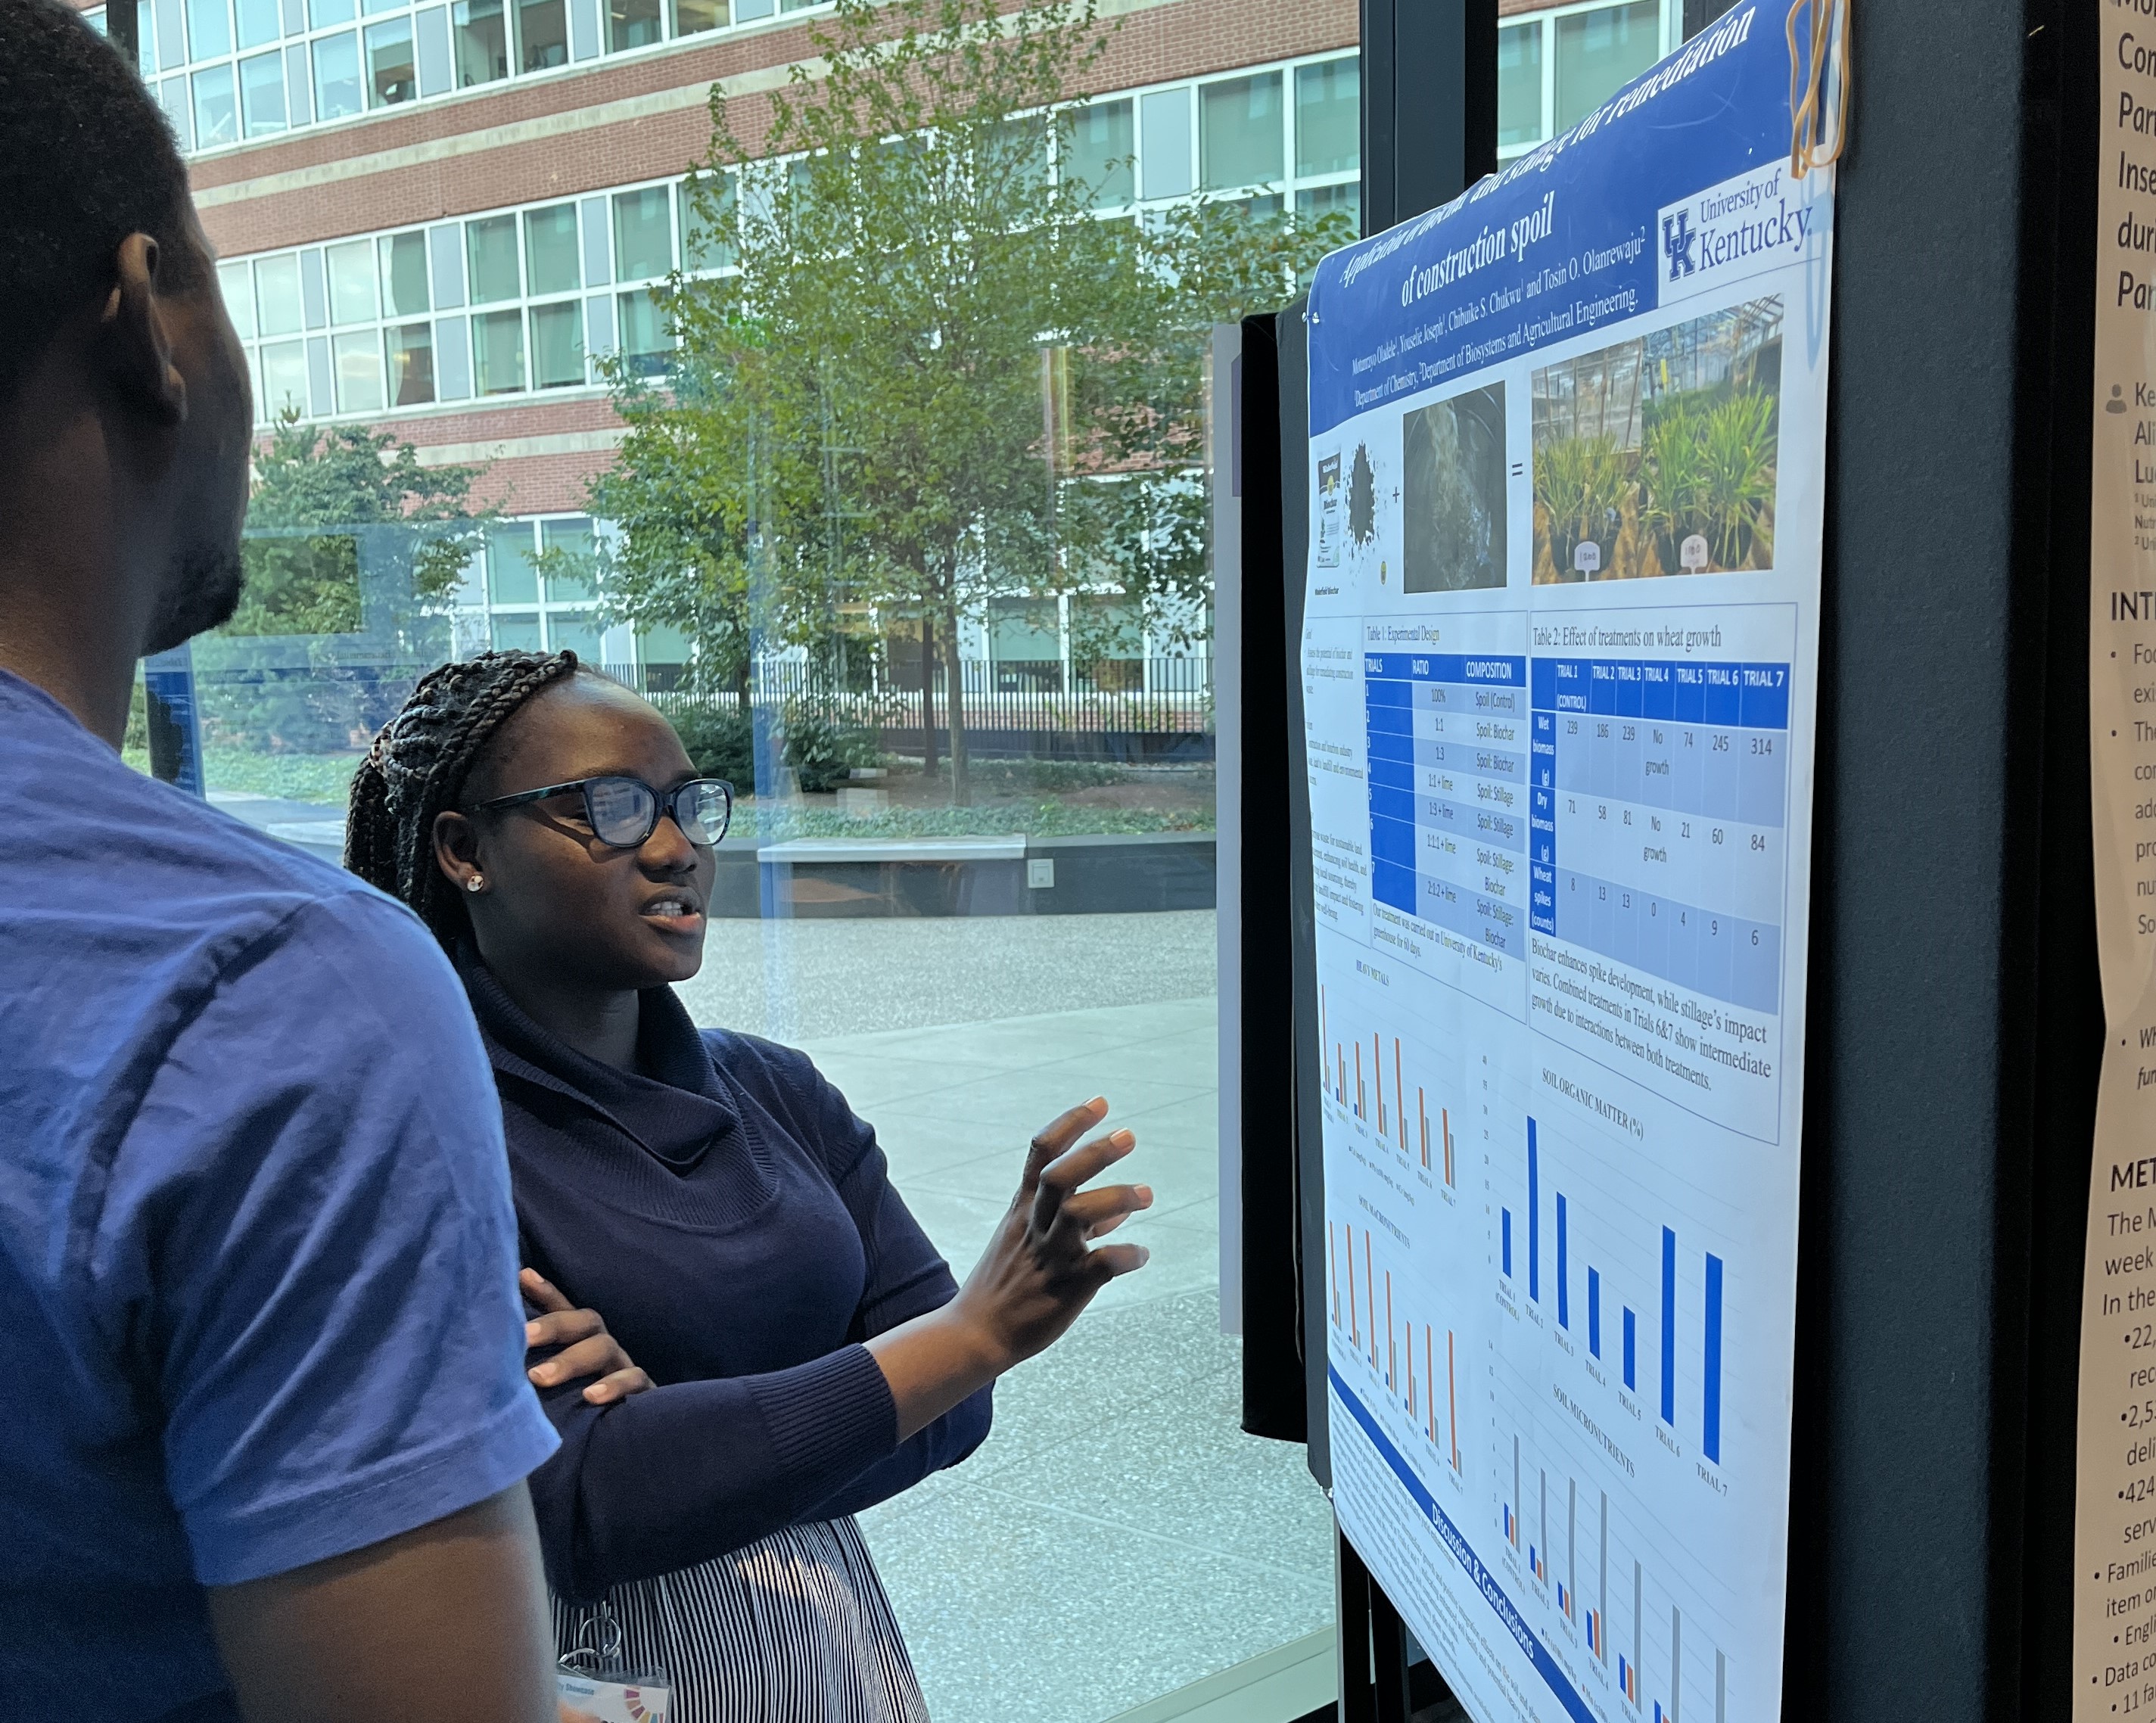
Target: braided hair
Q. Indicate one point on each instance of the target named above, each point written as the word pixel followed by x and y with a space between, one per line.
pixel 416 769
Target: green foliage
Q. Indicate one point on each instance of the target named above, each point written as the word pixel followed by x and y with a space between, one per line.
pixel 937 378
pixel 719 737
pixel 1582 483
pixel 350 545
pixel 824 752
pixel 1707 467
pixel 345 476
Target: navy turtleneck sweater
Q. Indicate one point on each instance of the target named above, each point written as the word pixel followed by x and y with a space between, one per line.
pixel 734 1221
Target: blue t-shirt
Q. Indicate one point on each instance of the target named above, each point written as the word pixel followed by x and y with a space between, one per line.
pixel 258 1298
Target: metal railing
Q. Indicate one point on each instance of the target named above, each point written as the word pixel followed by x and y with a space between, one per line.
pixel 1169 696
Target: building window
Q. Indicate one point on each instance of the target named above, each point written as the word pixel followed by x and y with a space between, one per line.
pixel 564 283
pixel 1328 117
pixel 1557 67
pixel 1101 149
pixel 1241 141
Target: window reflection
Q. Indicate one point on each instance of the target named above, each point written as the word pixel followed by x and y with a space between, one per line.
pixel 1520 84
pixel 479 32
pixel 217 114
pixel 550 249
pixel 1328 117
pixel 498 352
pixel 336 76
pixel 1102 143
pixel 1599 52
pixel 557 347
pixel 210 30
pixel 490 246
pixel 393 74
pixel 262 94
pixel 1240 136
pixel 634 24
pixel 409 349
pixel 542 32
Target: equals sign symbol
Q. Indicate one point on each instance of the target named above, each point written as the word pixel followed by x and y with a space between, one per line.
pixel 1518 468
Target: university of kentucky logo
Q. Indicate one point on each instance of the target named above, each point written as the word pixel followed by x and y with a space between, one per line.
pixel 1678 240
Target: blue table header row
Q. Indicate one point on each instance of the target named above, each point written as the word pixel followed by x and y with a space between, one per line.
pixel 1443 667
pixel 1749 696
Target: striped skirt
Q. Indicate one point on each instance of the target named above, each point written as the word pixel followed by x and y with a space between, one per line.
pixel 793 1628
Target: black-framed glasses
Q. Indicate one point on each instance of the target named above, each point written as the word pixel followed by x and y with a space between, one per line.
pixel 623 812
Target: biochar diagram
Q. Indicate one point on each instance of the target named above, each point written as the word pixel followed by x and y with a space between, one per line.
pixel 1361 498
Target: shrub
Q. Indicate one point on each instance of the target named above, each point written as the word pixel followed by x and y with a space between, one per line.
pixel 721 739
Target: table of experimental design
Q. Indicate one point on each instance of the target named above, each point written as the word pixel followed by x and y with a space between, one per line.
pixel 1633 807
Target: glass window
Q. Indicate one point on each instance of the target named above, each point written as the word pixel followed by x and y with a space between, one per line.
pixel 1023 630
pixel 172 98
pixel 480 28
pixel 574 536
pixel 633 23
pixel 643 237
pixel 645 346
pixel 392 75
pixel 404 273
pixel 574 632
pixel 216 116
pixel 371 6
pixel 701 247
pixel 336 76
pixel 1098 150
pixel 491 246
pixel 238 290
pixel 542 34
pixel 516 633
pixel 498 352
pixel 510 578
pixel 1021 150
pixel 322 13
pixel 352 282
pixel 692 17
pixel 1520 84
pixel 550 249
pixel 284 369
pixel 410 352
pixel 1328 117
pixel 277 294
pixel 1324 200
pixel 209 30
pixel 1599 52
pixel 1164 132
pixel 262 94
pixel 260 21
pixel 557 345
pixel 1239 132
pixel 358 362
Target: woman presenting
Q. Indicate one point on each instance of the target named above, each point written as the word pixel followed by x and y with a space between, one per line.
pixel 713 1195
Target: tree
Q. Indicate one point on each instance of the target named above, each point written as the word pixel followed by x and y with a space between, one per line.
pixel 934 377
pixel 350 546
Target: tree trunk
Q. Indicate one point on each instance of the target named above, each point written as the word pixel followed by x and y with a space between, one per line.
pixel 927 696
pixel 954 702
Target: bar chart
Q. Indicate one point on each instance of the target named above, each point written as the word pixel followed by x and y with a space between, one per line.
pixel 1554 1292
pixel 1393 1089
pixel 1416 1361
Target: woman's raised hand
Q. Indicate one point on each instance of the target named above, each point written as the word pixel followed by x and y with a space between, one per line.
pixel 1041 1267
pixel 586 1348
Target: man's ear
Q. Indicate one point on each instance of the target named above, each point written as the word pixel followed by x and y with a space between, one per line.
pixel 136 337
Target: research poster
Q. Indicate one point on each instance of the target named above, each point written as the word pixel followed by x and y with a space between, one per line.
pixel 2115 1480
pixel 1559 657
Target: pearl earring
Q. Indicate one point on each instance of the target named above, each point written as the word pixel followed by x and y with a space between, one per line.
pixel 476 883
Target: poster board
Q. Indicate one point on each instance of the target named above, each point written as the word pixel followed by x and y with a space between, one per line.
pixel 1558 660
pixel 2115 1480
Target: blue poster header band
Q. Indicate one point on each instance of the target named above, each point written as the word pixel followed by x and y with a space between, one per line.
pixel 1531 256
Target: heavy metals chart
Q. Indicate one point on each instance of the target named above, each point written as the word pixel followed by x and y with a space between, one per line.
pixel 1559 668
